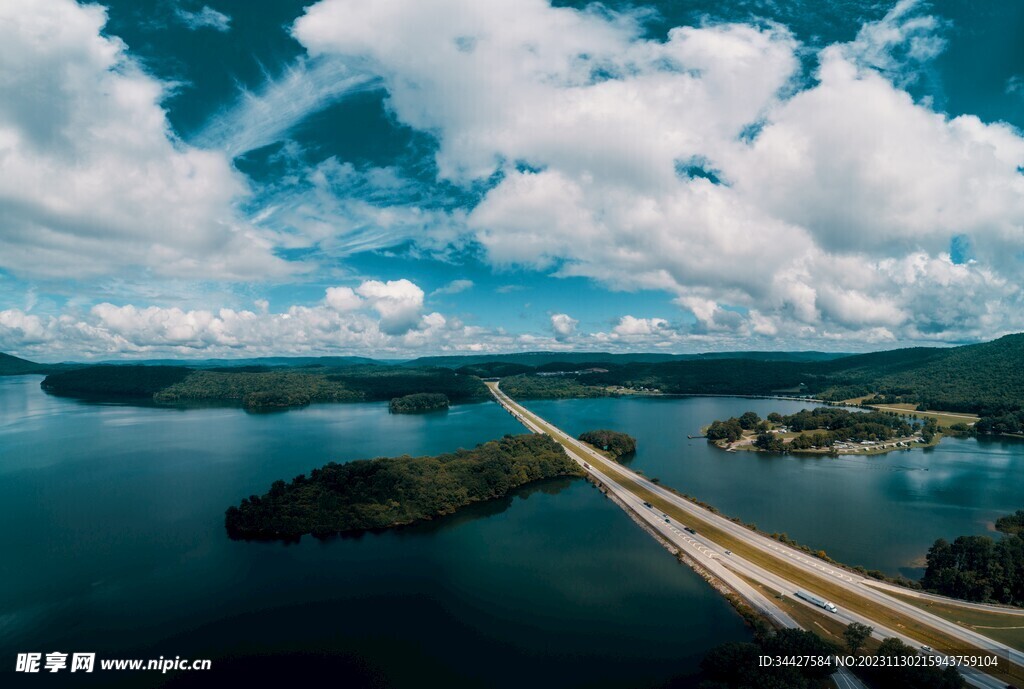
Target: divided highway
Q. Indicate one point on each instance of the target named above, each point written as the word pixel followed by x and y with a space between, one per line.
pixel 734 570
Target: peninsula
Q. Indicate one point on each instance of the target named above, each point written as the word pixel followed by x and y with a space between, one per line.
pixel 824 430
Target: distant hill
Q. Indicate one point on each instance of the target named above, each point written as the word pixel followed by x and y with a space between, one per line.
pixel 263 361
pixel 981 378
pixel 546 359
pixel 985 378
pixel 13 366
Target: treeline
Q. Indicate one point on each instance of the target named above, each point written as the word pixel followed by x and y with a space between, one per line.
pixel 527 387
pixel 265 388
pixel 616 443
pixel 1004 423
pixel 418 402
pixel 385 383
pixel 385 492
pixel 115 381
pixel 980 568
pixel 257 390
pixel 736 665
pixel 986 379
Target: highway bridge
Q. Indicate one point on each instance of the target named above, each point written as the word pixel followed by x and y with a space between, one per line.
pixel 738 555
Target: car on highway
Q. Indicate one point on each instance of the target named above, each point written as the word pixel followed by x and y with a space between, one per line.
pixel 689 530
pixel 667 520
pixel 728 552
pixel 647 504
pixel 926 649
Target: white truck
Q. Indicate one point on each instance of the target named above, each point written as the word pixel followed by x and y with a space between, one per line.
pixel 814 600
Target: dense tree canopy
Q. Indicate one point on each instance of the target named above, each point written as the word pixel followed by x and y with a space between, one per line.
pixel 980 568
pixel 384 492
pixel 418 402
pixel 618 444
pixel 115 381
pixel 262 387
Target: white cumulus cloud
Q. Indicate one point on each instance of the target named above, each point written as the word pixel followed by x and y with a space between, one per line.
pixel 563 325
pixel 92 180
pixel 706 164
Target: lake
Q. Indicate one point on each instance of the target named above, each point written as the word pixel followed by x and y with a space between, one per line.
pixel 114 543
pixel 882 511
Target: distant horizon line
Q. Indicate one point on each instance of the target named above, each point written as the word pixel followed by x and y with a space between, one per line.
pixel 469 355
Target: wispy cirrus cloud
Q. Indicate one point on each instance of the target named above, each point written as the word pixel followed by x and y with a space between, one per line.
pixel 205 17
pixel 453 287
pixel 265 115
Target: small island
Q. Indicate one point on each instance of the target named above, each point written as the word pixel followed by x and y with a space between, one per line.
pixel 393 491
pixel 614 443
pixel 418 403
pixel 824 430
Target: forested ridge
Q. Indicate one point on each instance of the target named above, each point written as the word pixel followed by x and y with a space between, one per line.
pixel 985 379
pixel 391 491
pixel 262 388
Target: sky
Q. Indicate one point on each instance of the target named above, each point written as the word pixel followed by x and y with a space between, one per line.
pixel 398 178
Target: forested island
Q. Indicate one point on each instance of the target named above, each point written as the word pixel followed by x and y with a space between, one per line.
pixel 261 388
pixel 613 442
pixel 392 491
pixel 980 568
pixel 418 403
pixel 822 430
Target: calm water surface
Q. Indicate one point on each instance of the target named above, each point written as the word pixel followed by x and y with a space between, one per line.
pixel 881 512
pixel 113 542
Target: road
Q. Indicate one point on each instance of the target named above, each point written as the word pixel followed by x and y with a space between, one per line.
pixel 729 567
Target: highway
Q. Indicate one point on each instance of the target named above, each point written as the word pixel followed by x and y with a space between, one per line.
pixel 731 568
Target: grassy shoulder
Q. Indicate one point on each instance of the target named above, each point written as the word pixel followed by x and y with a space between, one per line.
pixel 1004 628
pixel 392 491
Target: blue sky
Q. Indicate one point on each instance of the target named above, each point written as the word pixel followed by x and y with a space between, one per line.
pixel 401 178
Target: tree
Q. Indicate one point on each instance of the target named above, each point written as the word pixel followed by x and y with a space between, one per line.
pixel 749 420
pixel 856 634
pixel 728 430
pixel 770 442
